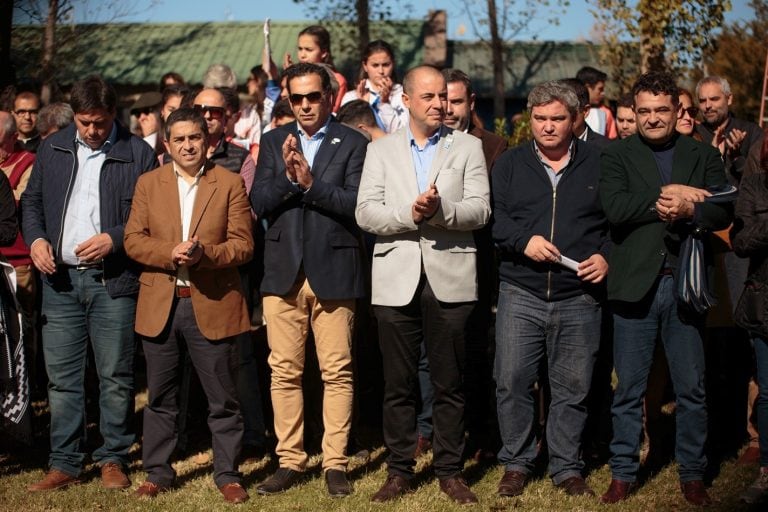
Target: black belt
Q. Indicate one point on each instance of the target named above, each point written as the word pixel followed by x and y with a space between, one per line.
pixel 83 266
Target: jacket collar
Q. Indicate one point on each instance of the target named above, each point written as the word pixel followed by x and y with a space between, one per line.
pixel 64 140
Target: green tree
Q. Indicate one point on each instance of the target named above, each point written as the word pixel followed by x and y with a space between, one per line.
pixel 740 57
pixel 670 35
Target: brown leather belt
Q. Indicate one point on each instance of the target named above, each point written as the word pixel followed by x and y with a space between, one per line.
pixel 666 271
pixel 183 292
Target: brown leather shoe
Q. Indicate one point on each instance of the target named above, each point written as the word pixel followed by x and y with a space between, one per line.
pixel 456 489
pixel 575 486
pixel 618 490
pixel 283 479
pixel 512 483
pixel 337 483
pixel 423 445
pixel 54 479
pixel 750 457
pixel 695 493
pixel 113 476
pixel 234 493
pixel 394 487
pixel 149 490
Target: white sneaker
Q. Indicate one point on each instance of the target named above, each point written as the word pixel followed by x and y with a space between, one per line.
pixel 758 491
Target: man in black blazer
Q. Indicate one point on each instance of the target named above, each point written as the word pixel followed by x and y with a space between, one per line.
pixel 652 186
pixel 305 186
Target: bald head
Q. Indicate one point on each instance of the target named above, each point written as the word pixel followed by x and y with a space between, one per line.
pixel 418 73
pixel 212 104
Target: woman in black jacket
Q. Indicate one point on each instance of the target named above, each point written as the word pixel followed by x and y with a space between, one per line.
pixel 750 239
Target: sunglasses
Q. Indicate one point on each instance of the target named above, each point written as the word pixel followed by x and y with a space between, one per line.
pixel 312 97
pixel 23 112
pixel 691 111
pixel 146 111
pixel 215 112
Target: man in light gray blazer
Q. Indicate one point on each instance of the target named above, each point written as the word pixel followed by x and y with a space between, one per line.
pixel 424 189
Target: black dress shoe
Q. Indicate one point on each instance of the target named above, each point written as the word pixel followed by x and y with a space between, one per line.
pixel 394 487
pixel 337 483
pixel 282 480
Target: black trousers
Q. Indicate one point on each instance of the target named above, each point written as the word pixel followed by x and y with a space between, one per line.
pixel 213 361
pixel 401 330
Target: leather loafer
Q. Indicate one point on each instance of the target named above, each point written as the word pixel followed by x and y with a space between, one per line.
pixel 512 483
pixel 282 480
pixel 337 483
pixel 54 479
pixel 233 493
pixel 394 487
pixel 695 493
pixel 113 476
pixel 149 490
pixel 456 489
pixel 575 486
pixel 618 490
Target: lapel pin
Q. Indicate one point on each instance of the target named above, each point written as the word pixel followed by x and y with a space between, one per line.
pixel 335 140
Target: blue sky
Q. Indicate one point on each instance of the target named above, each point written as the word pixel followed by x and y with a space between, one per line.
pixel 576 25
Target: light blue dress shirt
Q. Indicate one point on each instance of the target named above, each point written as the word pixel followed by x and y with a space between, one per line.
pixel 423 156
pixel 311 145
pixel 82 219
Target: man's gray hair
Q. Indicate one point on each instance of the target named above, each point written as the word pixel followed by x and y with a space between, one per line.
pixel 7 125
pixel 554 90
pixel 714 79
pixel 219 75
pixel 58 115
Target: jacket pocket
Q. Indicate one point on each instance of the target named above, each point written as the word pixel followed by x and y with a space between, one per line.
pixel 147 279
pixel 462 248
pixel 272 235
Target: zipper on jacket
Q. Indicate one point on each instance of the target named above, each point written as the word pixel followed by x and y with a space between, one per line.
pixel 551 239
pixel 66 199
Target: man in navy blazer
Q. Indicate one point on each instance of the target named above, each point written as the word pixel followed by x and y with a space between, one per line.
pixel 306 184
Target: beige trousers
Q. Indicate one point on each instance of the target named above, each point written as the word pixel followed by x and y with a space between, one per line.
pixel 288 321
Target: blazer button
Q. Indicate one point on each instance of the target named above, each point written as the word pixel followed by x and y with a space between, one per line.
pixel 663 252
pixel 170 278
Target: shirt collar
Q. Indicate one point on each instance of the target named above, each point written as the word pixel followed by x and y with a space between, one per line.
pixel 431 140
pixel 197 176
pixel 540 155
pixel 319 134
pixel 106 146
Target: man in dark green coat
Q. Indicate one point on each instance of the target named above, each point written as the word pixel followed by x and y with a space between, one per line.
pixel 653 187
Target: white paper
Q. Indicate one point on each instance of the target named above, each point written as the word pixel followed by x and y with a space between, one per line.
pixel 569 263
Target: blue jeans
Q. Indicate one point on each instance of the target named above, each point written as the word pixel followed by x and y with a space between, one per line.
pixel 636 328
pixel 567 334
pixel 761 356
pixel 77 308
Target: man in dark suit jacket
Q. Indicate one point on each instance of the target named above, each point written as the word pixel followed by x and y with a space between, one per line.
pixel 581 130
pixel 652 186
pixel 190 226
pixel 306 184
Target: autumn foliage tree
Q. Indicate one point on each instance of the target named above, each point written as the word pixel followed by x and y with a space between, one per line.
pixel 740 58
pixel 670 35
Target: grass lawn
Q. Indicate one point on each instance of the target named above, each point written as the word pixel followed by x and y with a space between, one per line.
pixel 196 491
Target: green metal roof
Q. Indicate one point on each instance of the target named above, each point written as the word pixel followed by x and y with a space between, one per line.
pixel 139 54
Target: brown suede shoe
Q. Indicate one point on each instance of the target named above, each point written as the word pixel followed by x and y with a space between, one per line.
pixel 54 479
pixel 618 490
pixel 512 483
pixel 575 486
pixel 234 493
pixel 394 487
pixel 750 457
pixel 113 476
pixel 695 493
pixel 456 489
pixel 149 490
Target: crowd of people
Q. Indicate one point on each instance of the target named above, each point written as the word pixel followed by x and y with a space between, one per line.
pixel 383 204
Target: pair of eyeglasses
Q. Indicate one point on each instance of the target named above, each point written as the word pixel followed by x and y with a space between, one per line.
pixel 25 112
pixel 146 111
pixel 215 112
pixel 691 111
pixel 312 97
